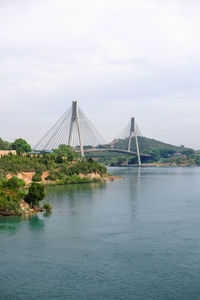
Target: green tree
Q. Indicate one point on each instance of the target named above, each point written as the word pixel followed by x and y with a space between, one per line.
pixel 65 151
pixel 4 145
pixel 155 155
pixel 35 194
pixel 15 183
pixel 189 153
pixel 164 153
pixel 21 146
pixel 197 160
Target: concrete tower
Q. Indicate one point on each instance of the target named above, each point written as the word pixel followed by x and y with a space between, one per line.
pixel 75 119
pixel 133 132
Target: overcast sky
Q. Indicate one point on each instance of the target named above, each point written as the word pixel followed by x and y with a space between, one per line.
pixel 118 58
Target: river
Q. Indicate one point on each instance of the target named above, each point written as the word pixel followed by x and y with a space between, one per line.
pixel 137 238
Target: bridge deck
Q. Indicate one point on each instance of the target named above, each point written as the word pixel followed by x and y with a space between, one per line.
pixel 93 150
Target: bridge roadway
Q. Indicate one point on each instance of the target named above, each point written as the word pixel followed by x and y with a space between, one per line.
pixel 93 150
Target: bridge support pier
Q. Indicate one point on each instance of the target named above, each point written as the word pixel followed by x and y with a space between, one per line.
pixel 133 131
pixel 75 119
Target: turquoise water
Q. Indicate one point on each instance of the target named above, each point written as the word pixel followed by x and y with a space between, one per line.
pixel 138 238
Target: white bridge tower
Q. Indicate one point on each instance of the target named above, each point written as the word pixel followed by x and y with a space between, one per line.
pixel 133 132
pixel 75 119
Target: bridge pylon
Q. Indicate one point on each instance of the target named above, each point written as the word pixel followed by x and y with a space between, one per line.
pixel 73 129
pixel 133 132
pixel 75 120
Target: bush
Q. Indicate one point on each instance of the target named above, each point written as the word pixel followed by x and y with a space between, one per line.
pixel 75 179
pixel 9 202
pixel 51 176
pixel 37 177
pixel 96 180
pixel 35 194
pixel 15 183
pixel 47 207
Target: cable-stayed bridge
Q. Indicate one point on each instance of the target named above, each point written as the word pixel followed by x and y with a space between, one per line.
pixel 74 129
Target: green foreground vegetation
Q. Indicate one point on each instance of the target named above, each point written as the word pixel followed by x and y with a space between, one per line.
pixel 13 190
pixel 62 166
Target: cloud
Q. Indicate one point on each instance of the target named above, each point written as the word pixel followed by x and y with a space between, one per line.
pixel 119 58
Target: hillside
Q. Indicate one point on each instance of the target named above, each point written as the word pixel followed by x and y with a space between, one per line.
pixel 146 145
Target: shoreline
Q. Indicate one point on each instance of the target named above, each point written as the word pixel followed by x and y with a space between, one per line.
pixel 27 177
pixel 156 165
pixel 26 209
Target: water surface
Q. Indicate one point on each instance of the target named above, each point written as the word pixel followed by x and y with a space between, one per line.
pixel 138 238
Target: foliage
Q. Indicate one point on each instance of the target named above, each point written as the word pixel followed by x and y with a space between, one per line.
pixel 70 175
pixel 189 153
pixel 155 155
pixel 75 179
pixel 86 166
pixel 118 161
pixel 21 146
pixel 9 203
pixel 158 151
pixel 17 163
pixel 197 160
pixel 145 144
pixel 47 207
pixel 15 183
pixel 35 194
pixel 64 151
pixel 4 145
pixel 37 176
pixel 10 195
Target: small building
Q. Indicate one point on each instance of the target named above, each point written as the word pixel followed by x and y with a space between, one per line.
pixel 6 152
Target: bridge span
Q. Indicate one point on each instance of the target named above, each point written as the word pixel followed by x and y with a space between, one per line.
pixel 74 129
pixel 94 150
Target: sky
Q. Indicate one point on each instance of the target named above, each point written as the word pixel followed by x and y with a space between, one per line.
pixel 117 58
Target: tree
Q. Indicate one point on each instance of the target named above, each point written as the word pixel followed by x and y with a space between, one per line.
pixel 15 183
pixel 35 194
pixel 189 153
pixel 197 160
pixel 4 145
pixel 164 153
pixel 21 146
pixel 155 155
pixel 66 151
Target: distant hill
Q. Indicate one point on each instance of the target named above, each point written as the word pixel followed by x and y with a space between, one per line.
pixel 146 145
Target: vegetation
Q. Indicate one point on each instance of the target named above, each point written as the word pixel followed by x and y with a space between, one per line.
pixel 71 175
pixel 4 145
pixel 64 152
pixel 63 166
pixel 146 145
pixel 20 145
pixel 158 153
pixel 47 207
pixel 66 167
pixel 11 192
pixel 35 194
pixel 37 176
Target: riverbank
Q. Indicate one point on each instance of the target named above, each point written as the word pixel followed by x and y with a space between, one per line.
pixel 48 169
pixel 159 165
pixel 27 177
pixel 25 209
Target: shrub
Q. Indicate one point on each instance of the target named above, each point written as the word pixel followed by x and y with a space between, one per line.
pixel 37 177
pixel 15 183
pixel 35 194
pixel 47 207
pixel 9 203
